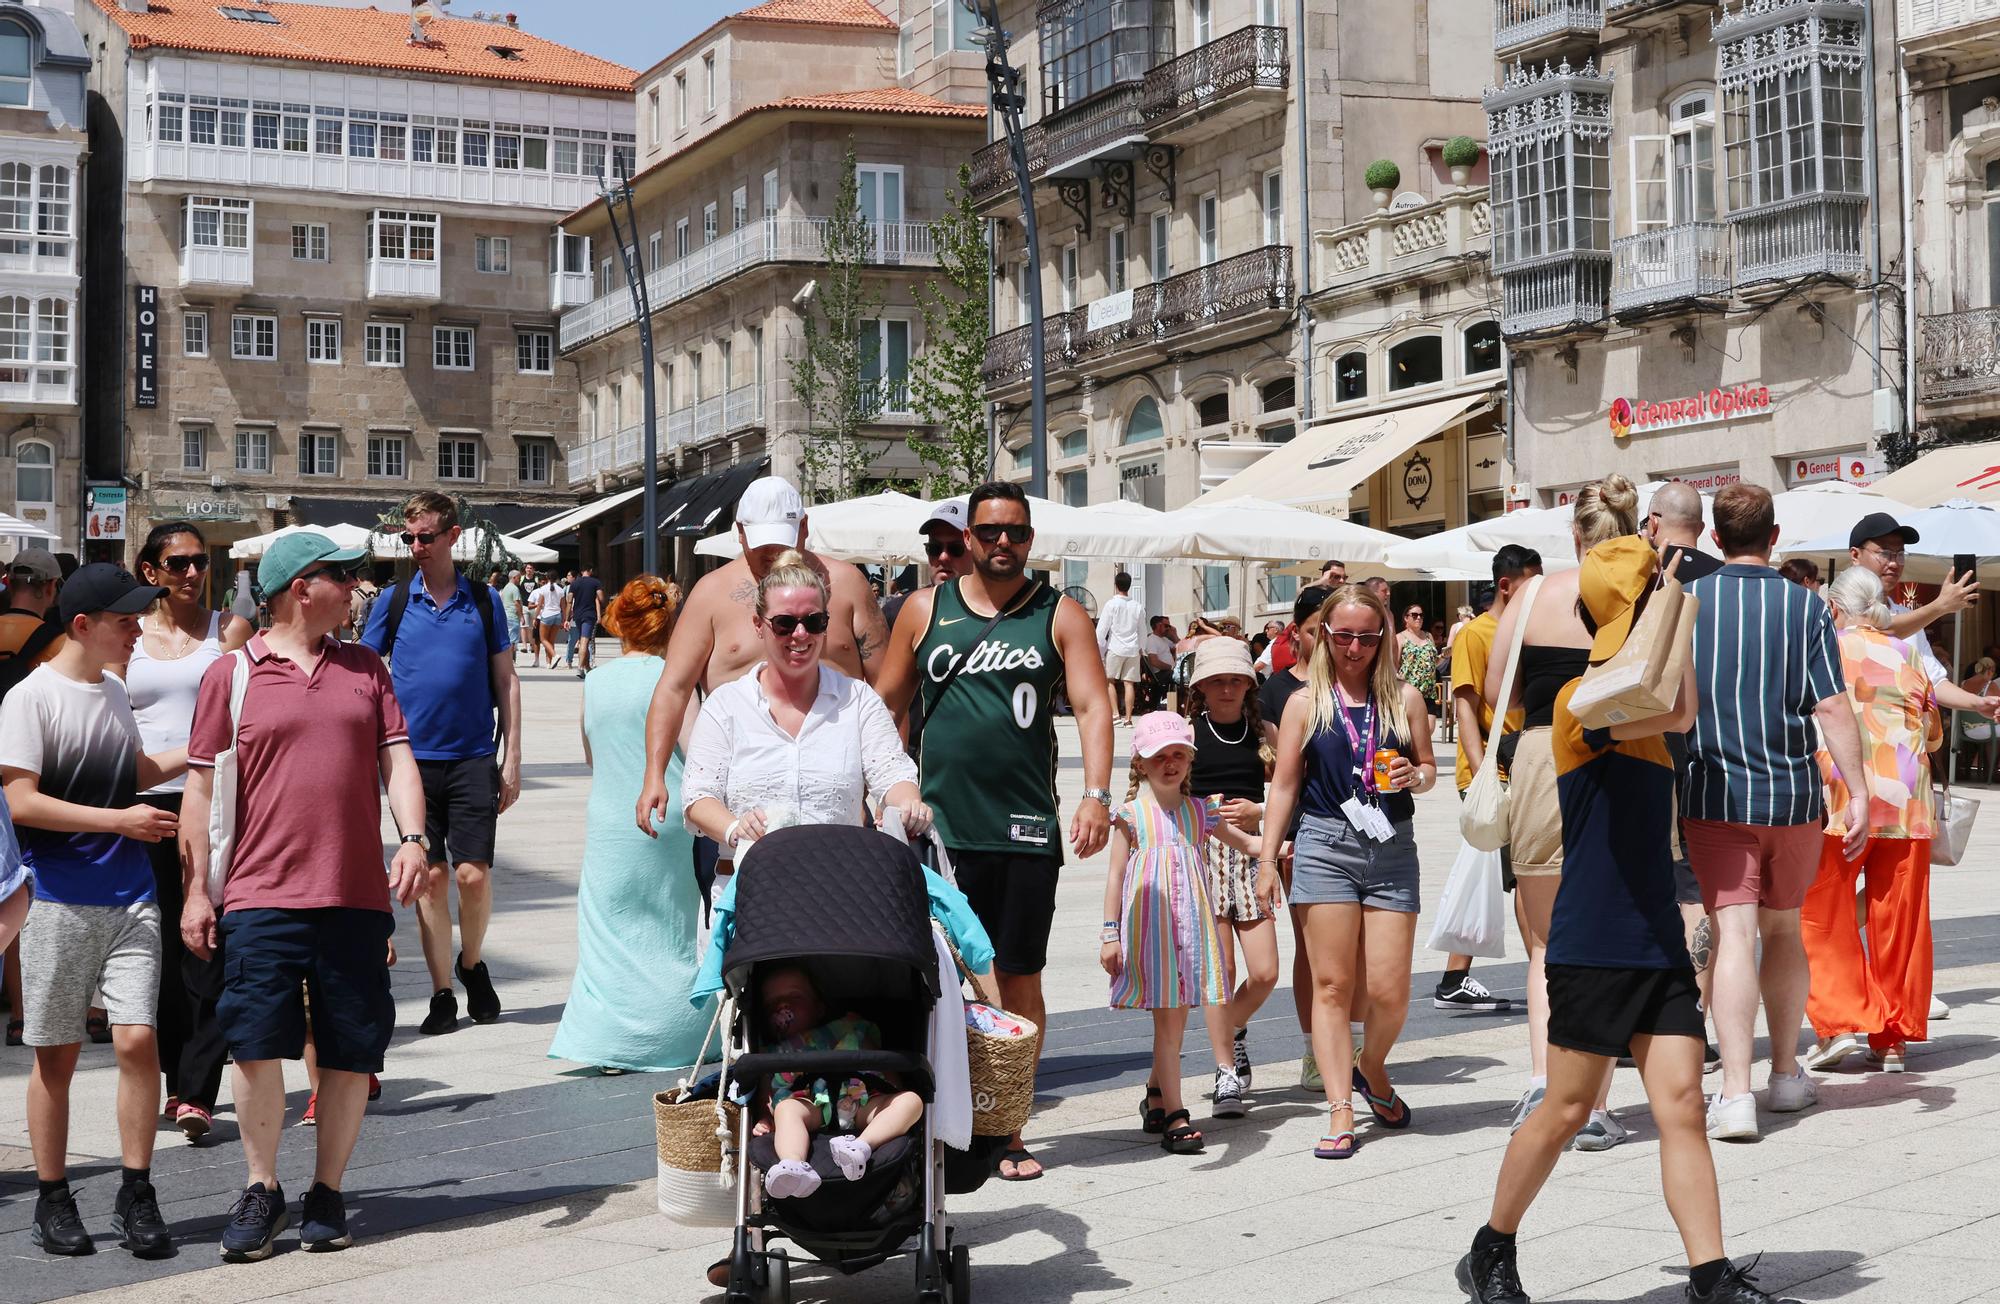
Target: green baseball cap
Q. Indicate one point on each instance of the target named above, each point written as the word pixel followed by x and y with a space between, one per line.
pixel 285 558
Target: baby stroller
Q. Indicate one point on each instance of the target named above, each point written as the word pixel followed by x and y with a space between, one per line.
pixel 848 905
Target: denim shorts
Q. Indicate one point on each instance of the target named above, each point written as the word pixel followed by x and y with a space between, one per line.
pixel 1333 864
pixel 273 959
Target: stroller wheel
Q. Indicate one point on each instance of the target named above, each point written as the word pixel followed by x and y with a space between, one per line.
pixel 777 1278
pixel 961 1275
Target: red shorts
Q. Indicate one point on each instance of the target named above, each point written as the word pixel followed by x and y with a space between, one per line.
pixel 1753 864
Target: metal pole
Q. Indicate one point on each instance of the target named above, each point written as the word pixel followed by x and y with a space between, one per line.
pixel 1304 261
pixel 635 284
pixel 1004 82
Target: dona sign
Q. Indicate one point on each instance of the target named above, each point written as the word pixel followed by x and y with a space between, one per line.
pixel 1631 416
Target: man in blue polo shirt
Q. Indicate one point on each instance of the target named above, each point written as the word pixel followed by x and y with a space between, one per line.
pixel 453 668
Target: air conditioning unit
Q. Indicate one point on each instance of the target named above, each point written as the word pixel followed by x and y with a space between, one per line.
pixel 216 481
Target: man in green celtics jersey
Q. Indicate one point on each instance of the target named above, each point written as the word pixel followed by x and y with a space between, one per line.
pixel 988 746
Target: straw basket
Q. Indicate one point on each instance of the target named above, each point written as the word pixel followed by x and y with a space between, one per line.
pixel 1003 1079
pixel 694 1178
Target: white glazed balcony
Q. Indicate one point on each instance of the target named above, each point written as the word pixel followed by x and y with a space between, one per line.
pixel 404 278
pixel 1671 264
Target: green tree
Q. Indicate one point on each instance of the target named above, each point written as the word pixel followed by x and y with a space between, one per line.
pixel 946 384
pixel 829 375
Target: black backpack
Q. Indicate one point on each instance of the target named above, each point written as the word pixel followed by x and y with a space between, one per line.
pixel 482 599
pixel 14 666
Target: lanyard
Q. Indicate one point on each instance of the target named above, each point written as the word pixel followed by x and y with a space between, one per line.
pixel 1364 758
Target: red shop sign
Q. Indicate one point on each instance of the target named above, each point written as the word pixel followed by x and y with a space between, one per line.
pixel 1630 415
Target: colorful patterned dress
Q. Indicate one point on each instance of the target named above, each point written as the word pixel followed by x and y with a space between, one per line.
pixel 1895 705
pixel 1173 954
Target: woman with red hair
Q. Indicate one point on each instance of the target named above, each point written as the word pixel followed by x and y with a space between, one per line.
pixel 638 909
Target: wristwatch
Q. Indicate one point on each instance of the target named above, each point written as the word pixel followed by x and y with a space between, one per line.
pixel 1102 796
pixel 418 838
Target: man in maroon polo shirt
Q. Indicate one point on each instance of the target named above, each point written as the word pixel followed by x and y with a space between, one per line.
pixel 306 902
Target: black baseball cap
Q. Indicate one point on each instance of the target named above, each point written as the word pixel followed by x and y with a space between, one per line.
pixel 1878 525
pixel 102 586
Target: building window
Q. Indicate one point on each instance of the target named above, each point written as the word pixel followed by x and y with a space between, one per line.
pixel 319 452
pixel 475 149
pixel 739 208
pixel 1793 109
pixel 1144 424
pixel 323 339
pixel 680 101
pixel 708 224
pixel 534 352
pixel 296 133
pixel 34 472
pixel 329 135
pixel 253 336
pixel 1414 362
pixel 771 192
pixel 1162 246
pixel 253 451
pixel 1207 223
pixel 397 236
pixel 1212 411
pixel 1204 22
pixel 394 142
pixel 264 131
pixel 1350 377
pixel 885 367
pixel 681 239
pixel 17 71
pixel 656 247
pixel 361 140
pixel 386 457
pixel 570 254
pixel 216 223
pixel 1278 395
pixel 1673 175
pixel 708 81
pixel 1092 45
pixel 34 211
pixel 507 151
pixel 201 126
pixel 194 334
pixel 383 343
pixel 1074 444
pixel 194 448
pixel 451 348
pixel 1550 153
pixel 1482 348
pixel 491 253
pixel 653 132
pixel 168 124
pixel 1114 260
pixel 1274 208
pixel 1070 260
pixel 309 242
pixel 458 459
pixel 1270 13
pixel 532 462
pixel 1215 588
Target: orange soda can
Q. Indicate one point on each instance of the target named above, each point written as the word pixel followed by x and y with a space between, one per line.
pixel 1384 758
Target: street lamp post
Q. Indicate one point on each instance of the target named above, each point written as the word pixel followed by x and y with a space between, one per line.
pixel 642 309
pixel 1008 101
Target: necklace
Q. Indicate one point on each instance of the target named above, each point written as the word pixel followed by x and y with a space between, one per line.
pixel 183 641
pixel 1237 741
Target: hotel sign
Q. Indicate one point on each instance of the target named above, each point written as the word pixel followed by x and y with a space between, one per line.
pixel 1630 416
pixel 146 342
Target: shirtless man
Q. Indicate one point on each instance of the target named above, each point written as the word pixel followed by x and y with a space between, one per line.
pixel 714 640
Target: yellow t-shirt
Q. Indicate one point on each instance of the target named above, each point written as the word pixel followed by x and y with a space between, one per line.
pixel 1468 670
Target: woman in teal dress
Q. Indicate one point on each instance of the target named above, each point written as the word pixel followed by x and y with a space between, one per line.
pixel 638 911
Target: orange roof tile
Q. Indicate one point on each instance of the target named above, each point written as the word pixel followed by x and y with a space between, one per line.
pixel 823 13
pixel 457 47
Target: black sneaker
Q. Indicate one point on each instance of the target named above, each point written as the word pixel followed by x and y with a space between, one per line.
pixel 481 1001
pixel 1242 1047
pixel 254 1223
pixel 443 1016
pixel 136 1219
pixel 323 1220
pixel 1737 1286
pixel 1468 993
pixel 1490 1278
pixel 58 1226
pixel 1228 1094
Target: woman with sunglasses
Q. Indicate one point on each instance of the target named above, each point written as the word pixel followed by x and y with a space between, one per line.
pixel 1353 748
pixel 795 741
pixel 178 640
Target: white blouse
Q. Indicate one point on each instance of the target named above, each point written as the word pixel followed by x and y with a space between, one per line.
pixel 846 747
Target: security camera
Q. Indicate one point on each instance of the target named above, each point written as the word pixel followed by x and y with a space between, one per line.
pixel 805 294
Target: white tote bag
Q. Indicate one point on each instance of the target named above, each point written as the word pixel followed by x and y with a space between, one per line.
pixel 1472 913
pixel 222 797
pixel 1955 815
pixel 1483 819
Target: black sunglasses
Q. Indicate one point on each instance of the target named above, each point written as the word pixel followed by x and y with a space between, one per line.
pixel 194 561
pixel 990 534
pixel 427 537
pixel 339 572
pixel 934 549
pixel 784 625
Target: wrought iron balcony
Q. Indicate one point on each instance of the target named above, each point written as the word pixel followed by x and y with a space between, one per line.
pixel 1960 355
pixel 1210 300
pixel 1523 27
pixel 993 166
pixel 1813 235
pixel 1555 292
pixel 1247 60
pixel 1670 265
pixel 1399 240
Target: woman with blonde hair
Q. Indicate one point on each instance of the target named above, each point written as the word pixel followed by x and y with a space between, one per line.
pixel 638 910
pixel 1353 747
pixel 1554 650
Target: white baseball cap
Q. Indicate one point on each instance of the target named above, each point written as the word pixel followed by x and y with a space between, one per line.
pixel 769 512
pixel 949 512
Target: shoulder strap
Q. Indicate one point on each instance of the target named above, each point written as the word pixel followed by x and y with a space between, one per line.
pixel 15 668
pixel 239 685
pixel 1507 676
pixel 482 597
pixel 951 675
pixel 399 601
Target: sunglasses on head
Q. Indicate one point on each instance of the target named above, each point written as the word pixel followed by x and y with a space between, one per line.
pixel 196 562
pixel 425 537
pixel 934 549
pixel 784 625
pixel 1348 638
pixel 990 534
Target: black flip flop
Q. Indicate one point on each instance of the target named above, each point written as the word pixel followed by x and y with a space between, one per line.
pixel 1014 1157
pixel 1183 1140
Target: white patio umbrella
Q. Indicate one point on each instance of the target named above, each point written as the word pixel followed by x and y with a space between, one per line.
pixel 391 545
pixel 13 527
pixel 885 528
pixel 875 527
pixel 347 536
pixel 1828 510
pixel 1252 529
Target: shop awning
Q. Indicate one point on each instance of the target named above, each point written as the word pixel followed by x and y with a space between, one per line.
pixel 590 511
pixel 1970 471
pixel 508 518
pixel 673 501
pixel 1320 468
pixel 695 507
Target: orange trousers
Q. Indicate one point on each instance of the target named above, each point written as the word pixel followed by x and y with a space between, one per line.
pixel 1884 991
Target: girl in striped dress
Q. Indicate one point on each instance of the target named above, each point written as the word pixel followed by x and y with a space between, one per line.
pixel 1160 944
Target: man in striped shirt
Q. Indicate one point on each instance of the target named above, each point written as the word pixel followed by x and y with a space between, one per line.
pixel 1767 666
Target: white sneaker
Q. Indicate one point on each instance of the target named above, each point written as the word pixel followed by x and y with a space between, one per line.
pixel 1939 1010
pixel 1828 1055
pixel 1732 1118
pixel 1529 1099
pixel 1791 1092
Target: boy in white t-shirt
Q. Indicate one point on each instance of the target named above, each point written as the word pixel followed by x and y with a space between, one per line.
pixel 71 761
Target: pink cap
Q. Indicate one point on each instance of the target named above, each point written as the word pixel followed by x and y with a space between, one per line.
pixel 1156 731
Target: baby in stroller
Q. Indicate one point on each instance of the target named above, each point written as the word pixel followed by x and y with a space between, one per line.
pixel 866 1110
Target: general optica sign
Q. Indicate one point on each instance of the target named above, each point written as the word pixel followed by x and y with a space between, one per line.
pixel 1631 416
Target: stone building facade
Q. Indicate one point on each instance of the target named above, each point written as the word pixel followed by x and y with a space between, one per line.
pixel 347 219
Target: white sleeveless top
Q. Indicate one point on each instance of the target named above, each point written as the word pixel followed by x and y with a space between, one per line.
pixel 163 695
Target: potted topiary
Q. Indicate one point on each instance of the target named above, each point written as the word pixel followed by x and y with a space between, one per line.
pixel 1383 177
pixel 1460 153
